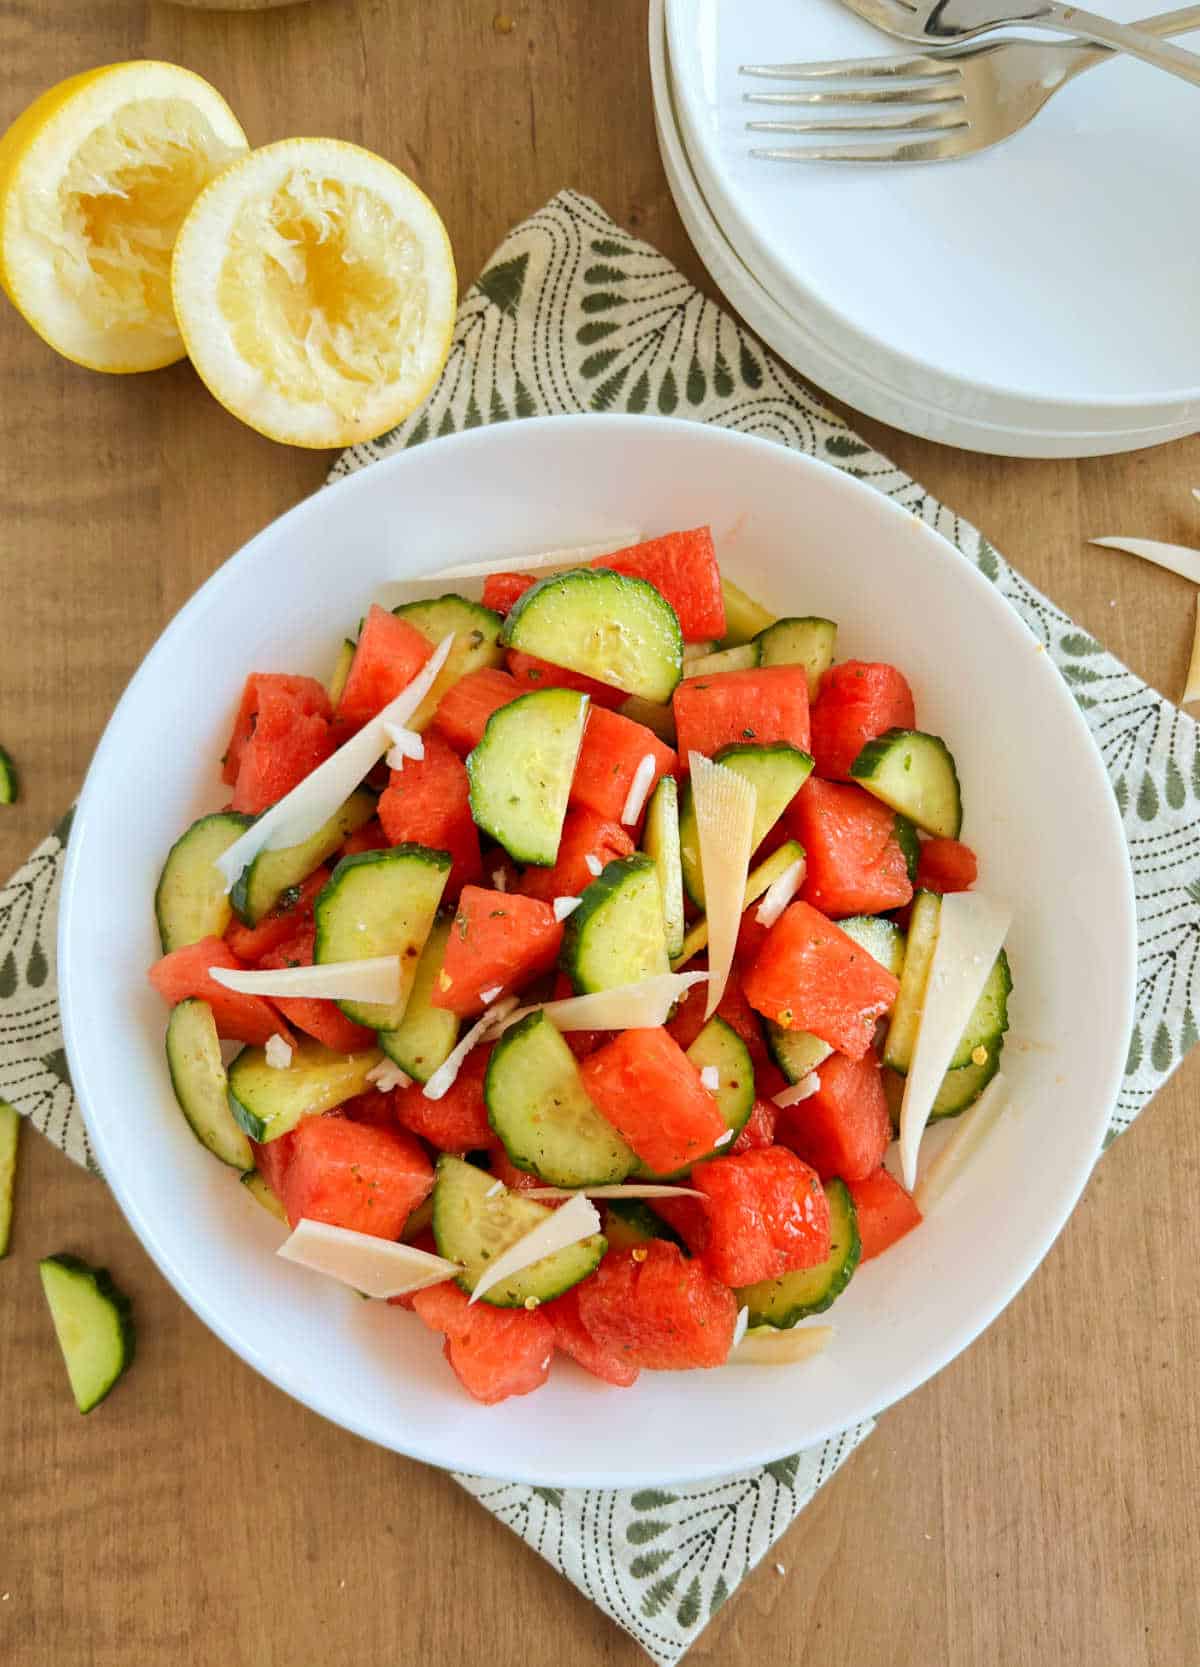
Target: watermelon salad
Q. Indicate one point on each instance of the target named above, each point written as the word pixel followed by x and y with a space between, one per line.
pixel 581 966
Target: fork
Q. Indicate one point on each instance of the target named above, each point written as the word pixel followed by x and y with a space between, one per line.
pixel 966 99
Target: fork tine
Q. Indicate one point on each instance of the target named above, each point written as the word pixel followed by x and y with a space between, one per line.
pixel 860 69
pixel 931 121
pixel 926 93
pixel 944 148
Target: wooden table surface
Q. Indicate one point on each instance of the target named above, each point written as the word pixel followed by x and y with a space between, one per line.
pixel 1036 1503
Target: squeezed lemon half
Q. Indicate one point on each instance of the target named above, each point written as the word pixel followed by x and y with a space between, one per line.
pixel 315 289
pixel 96 178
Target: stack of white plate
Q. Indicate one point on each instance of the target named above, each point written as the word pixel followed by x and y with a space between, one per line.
pixel 1041 299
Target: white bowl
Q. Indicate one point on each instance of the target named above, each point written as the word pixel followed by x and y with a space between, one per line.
pixel 807 540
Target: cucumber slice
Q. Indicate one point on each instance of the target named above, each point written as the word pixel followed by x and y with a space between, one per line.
pixel 744 617
pixel 473 1228
pixel 758 881
pixel 908 840
pixel 10 782
pixel 257 1187
pixel 777 773
pixel 190 902
pixel 628 1223
pixel 539 1107
pixel 476 643
pixel 914 773
pixel 989 1019
pixel 264 882
pixel 341 671
pixel 201 1085
pixel 810 643
pixel 425 1036
pixel 796 1052
pixel 656 717
pixel 93 1321
pixel 522 769
pixel 10 1134
pixel 744 657
pixel 268 1103
pixel 616 935
pixel 719 1045
pixel 782 1302
pixel 881 938
pixel 616 629
pixel 661 840
pixel 381 903
pixel 959 1088
pixel 906 1014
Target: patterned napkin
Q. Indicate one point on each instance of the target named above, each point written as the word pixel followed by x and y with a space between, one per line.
pixel 574 315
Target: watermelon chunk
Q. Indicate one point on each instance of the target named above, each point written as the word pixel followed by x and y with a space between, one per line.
pixel 844 1128
pixel 946 865
pixel 857 702
pixel 458 1122
pixel 311 1014
pixel 759 1129
pixel 389 655
pixel 612 751
pixel 305 693
pixel 767 1215
pixel 493 1352
pixel 502 590
pixel 516 1180
pixel 885 1212
pixel 271 1159
pixel 855 862
pixel 651 1093
pixel 375 1108
pixel 466 706
pixel 239 1018
pixel 809 975
pixel 498 942
pixel 370 837
pixel 763 705
pixel 737 1012
pixel 428 803
pixel 682 567
pixel 571 1337
pixel 689 1219
pixel 584 834
pixel 352 1175
pixel 650 1307
pixel 531 673
pixel 291 915
pixel 289 736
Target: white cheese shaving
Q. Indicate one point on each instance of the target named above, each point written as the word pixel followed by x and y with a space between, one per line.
pixel 489 995
pixel 499 879
pixel 406 744
pixel 377 1267
pixel 564 906
pixel 388 1075
pixel 593 864
pixel 495 1188
pixel 764 1346
pixel 802 1090
pixel 1176 558
pixel 562 1228
pixel 970 1132
pixel 631 1189
pixel 739 1330
pixel 639 790
pixel 971 931
pixel 446 1075
pixel 780 893
pixel 1191 690
pixel 278 1053
pixel 640 1006
pixel 375 979
pixel 570 555
pixel 320 795
pixel 724 805
pixel 723 1139
pixel 710 1078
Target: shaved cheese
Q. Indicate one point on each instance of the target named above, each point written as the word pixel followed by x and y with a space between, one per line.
pixel 562 1228
pixel 564 906
pixel 640 1006
pixel 376 979
pixel 971 931
pixel 446 1075
pixel 971 1130
pixel 388 1075
pixel 496 1188
pixel 639 791
pixel 1176 558
pixel 500 879
pixel 764 1346
pixel 1192 687
pixel 758 881
pixel 631 1189
pixel 723 1139
pixel 802 1090
pixel 780 893
pixel 710 1078
pixel 570 555
pixel 376 1267
pixel 724 805
pixel 313 801
pixel 406 743
pixel 489 995
pixel 593 864
pixel 278 1053
pixel 739 1330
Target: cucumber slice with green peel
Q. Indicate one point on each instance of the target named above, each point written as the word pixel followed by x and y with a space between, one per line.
pixel 959 1088
pixel 521 772
pixel 693 651
pixel 190 902
pixel 629 1223
pixel 777 772
pixel 783 1302
pixel 744 617
pixel 537 1104
pixel 881 938
pixel 341 671
pixel 719 1046
pixel 10 1134
pixel 476 643
pixel 264 881
pixel 796 1052
pixel 426 1034
pixel 472 1225
pixel 915 774
pixel 268 1102
pixel 810 643
pixel 908 840
pixel 618 630
pixel 256 1185
pixel 93 1321
pixel 201 1084
pixel 380 903
pixel 744 657
pixel 989 1019
pixel 616 935
pixel 10 782
pixel 758 881
pixel 661 842
pixel 910 1001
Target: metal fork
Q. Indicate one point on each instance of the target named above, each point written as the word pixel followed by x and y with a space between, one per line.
pixel 965 99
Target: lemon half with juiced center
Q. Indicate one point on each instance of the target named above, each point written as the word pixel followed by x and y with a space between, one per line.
pixel 96 178
pixel 314 285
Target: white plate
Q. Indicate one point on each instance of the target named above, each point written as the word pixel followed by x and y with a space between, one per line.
pixel 1046 288
pixel 806 538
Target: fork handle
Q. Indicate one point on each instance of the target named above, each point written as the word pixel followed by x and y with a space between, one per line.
pixel 1136 43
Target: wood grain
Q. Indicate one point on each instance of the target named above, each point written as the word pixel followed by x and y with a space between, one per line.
pixel 1036 1503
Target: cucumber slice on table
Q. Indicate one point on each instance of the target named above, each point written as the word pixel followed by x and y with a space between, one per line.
pixel 537 1104
pixel 915 774
pixel 777 772
pixel 426 1034
pixel 201 1084
pixel 256 1185
pixel 191 902
pixel 473 1226
pixel 263 883
pixel 521 772
pixel 744 617
pixel 989 1019
pixel 810 643
pixel 616 935
pixel 94 1325
pixel 629 1223
pixel 796 1052
pixel 341 671
pixel 10 1134
pixel 380 903
pixel 268 1103
pixel 744 657
pixel 661 841
pixel 784 1301
pixel 476 644
pixel 618 630
pixel 10 782
pixel 881 938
